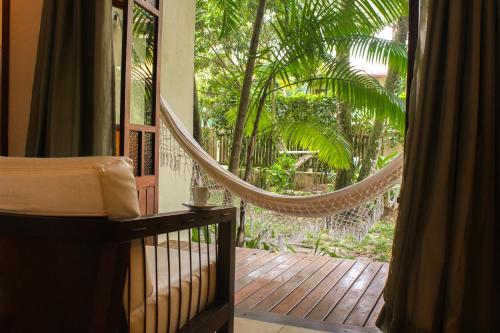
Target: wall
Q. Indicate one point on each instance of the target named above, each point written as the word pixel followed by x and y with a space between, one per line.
pixel 24 29
pixel 177 86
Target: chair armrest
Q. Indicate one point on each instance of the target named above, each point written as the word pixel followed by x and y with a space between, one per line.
pixel 101 229
pixel 168 222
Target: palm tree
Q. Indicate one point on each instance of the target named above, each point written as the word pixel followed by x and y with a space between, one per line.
pixel 234 162
pixel 302 56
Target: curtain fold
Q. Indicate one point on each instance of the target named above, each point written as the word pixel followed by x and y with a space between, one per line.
pixel 445 271
pixel 72 109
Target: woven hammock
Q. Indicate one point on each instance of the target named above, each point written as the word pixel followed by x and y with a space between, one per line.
pixel 307 206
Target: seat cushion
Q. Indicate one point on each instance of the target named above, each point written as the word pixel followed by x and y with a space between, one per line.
pixel 189 294
pixel 80 186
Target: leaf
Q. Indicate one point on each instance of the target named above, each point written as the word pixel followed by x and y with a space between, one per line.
pixel 329 144
pixel 231 16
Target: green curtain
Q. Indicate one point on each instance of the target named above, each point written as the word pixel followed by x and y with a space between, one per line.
pixel 445 273
pixel 72 108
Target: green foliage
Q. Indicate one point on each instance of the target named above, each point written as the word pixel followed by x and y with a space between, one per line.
pixel 382 161
pixel 329 144
pixel 305 107
pixel 321 244
pixel 204 235
pixel 376 245
pixel 279 176
pixel 231 21
pixel 298 57
pixel 258 242
pixel 268 236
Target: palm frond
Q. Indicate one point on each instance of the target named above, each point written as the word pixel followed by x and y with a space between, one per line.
pixel 357 89
pixel 375 50
pixel 231 16
pixel 331 146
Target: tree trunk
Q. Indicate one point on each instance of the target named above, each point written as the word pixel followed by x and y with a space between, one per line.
pixel 240 239
pixel 196 114
pixel 372 150
pixel 246 89
pixel 400 33
pixel 344 177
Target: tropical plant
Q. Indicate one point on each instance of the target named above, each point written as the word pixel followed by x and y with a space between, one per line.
pixel 300 54
pixel 279 176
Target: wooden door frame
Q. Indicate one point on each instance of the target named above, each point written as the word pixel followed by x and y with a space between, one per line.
pixel 4 107
pixel 125 126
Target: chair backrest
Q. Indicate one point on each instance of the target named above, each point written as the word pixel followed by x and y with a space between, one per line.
pixel 81 186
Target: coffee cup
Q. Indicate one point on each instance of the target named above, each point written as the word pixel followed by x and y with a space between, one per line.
pixel 201 195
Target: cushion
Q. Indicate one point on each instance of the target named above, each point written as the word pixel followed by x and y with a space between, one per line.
pixel 197 292
pixel 80 186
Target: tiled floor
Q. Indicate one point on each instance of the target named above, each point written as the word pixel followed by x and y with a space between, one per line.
pixel 242 325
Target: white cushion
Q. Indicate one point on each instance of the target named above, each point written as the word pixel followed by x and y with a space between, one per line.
pixel 80 186
pixel 197 290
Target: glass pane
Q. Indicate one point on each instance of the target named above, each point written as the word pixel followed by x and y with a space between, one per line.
pixel 135 151
pixel 117 56
pixel 149 154
pixel 153 3
pixel 117 64
pixel 142 67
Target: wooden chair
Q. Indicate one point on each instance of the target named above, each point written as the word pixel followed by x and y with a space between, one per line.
pixel 96 274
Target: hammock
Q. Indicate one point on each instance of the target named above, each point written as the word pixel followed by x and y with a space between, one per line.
pixel 180 149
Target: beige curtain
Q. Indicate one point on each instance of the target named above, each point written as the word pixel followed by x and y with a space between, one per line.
pixel 72 109
pixel 445 273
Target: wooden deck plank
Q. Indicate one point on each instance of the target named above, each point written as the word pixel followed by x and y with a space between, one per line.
pixel 260 282
pixel 360 313
pixel 310 289
pixel 330 300
pixel 242 253
pixel 255 265
pixel 296 296
pixel 274 283
pixel 347 303
pixel 284 290
pixel 254 255
pixel 370 322
pixel 263 269
pixel 316 295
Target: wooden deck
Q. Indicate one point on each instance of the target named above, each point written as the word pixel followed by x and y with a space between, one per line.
pixel 320 291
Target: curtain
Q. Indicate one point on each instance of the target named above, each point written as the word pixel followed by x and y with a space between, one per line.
pixel 445 271
pixel 72 109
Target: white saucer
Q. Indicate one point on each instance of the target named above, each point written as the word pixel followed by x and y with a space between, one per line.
pixel 192 206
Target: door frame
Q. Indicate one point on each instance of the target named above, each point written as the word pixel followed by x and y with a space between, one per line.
pixel 147 185
pixel 4 90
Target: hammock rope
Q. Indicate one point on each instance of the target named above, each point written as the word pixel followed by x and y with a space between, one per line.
pixel 180 151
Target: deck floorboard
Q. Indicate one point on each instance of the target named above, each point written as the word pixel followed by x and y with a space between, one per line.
pixel 309 288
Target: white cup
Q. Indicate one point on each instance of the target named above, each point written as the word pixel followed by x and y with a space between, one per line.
pixel 200 195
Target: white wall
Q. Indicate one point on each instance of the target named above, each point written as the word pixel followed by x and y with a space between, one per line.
pixel 177 73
